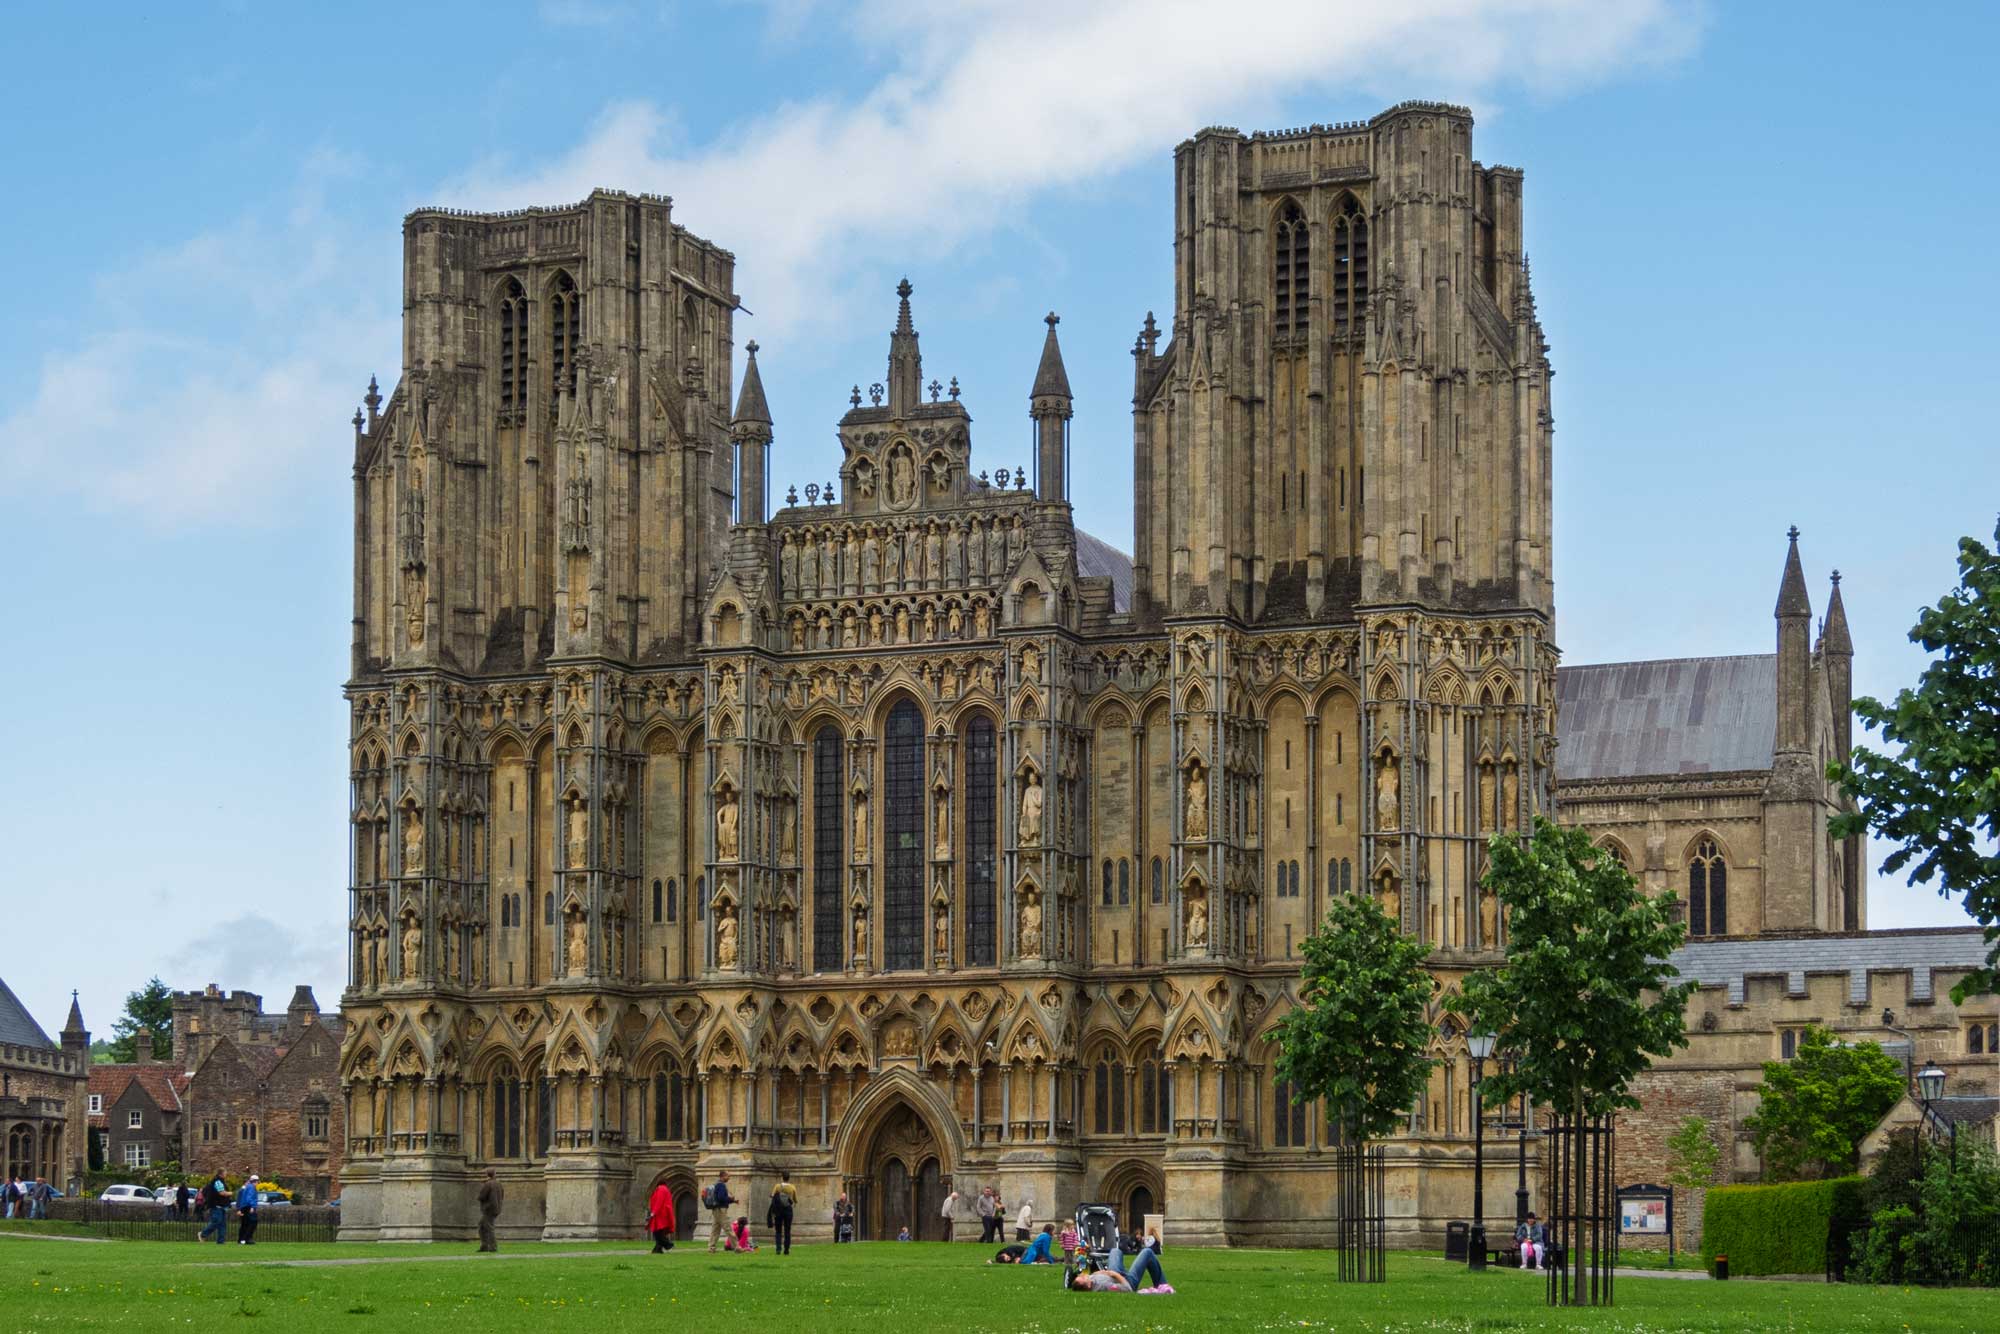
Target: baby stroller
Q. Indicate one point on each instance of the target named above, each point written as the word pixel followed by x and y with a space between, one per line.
pixel 1100 1246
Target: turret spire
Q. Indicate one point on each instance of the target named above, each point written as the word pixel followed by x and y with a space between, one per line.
pixel 1049 404
pixel 1792 597
pixel 750 404
pixel 751 430
pixel 906 364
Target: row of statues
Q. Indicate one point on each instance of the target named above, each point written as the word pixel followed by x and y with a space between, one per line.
pixel 899 623
pixel 872 558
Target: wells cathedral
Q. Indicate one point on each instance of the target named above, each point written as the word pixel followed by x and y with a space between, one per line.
pixel 903 837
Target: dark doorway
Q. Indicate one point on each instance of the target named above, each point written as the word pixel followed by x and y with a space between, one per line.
pixel 930 1202
pixel 687 1212
pixel 906 1182
pixel 1140 1204
pixel 898 1207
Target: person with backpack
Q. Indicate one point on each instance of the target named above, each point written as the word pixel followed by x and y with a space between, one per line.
pixel 660 1218
pixel 246 1213
pixel 784 1201
pixel 843 1219
pixel 717 1199
pixel 215 1200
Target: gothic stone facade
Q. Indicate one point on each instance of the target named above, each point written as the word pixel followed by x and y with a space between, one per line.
pixel 44 1095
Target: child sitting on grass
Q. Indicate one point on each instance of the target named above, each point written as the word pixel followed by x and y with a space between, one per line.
pixel 739 1236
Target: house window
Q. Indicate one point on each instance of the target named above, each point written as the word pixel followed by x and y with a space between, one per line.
pixel 315 1119
pixel 96 1104
pixel 1155 1093
pixel 1107 882
pixel 1124 883
pixel 1108 1106
pixel 1159 881
pixel 135 1120
pixel 247 1132
pixel 513 352
pixel 210 1132
pixel 1788 1043
pixel 138 1155
pixel 1708 890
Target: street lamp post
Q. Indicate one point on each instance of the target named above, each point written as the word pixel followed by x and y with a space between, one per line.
pixel 1930 1088
pixel 1479 1046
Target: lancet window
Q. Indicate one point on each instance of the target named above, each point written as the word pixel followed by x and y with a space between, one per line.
pixel 1291 273
pixel 1708 890
pixel 513 350
pixel 982 838
pixel 565 329
pixel 828 829
pixel 902 833
pixel 1348 301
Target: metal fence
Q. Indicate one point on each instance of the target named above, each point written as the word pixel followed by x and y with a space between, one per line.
pixel 149 1222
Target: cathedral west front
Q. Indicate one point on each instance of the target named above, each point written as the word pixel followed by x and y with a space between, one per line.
pixel 899 835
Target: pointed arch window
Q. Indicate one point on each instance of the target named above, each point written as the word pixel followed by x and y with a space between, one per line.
pixel 1708 890
pixel 1288 1118
pixel 1159 881
pixel 1124 883
pixel 828 829
pixel 1348 301
pixel 513 351
pixel 565 330
pixel 1155 1092
pixel 1291 273
pixel 902 834
pixel 982 837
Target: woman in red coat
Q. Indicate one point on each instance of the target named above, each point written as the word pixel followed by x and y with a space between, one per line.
pixel 660 1217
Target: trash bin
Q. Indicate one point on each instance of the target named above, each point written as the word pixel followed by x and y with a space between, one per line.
pixel 1722 1266
pixel 1455 1235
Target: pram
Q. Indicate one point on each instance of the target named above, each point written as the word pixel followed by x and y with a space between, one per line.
pixel 1099 1244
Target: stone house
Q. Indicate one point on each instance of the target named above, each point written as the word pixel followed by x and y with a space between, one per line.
pixel 43 1095
pixel 270 1109
pixel 136 1110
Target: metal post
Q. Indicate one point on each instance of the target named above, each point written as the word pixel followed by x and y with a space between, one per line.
pixel 1521 1183
pixel 1475 1256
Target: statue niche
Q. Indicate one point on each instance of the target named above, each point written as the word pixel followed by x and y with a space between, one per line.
pixel 1031 923
pixel 1194 819
pixel 725 938
pixel 1388 793
pixel 1031 809
pixel 726 834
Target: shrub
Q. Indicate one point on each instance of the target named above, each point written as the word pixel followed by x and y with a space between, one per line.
pixel 1777 1229
pixel 1952 1236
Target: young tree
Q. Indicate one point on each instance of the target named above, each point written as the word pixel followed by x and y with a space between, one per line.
pixel 1818 1106
pixel 1692 1157
pixel 1359 1036
pixel 150 1007
pixel 1939 800
pixel 1586 998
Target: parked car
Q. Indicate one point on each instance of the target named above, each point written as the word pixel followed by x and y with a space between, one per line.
pixel 127 1195
pixel 271 1199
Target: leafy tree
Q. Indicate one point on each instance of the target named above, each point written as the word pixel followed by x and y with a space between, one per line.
pixel 1692 1155
pixel 150 1007
pixel 1359 1036
pixel 1586 998
pixel 1952 1235
pixel 1939 800
pixel 1818 1106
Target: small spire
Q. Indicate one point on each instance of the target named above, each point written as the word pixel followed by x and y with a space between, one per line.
pixel 75 1023
pixel 1051 380
pixel 906 363
pixel 1835 632
pixel 903 290
pixel 750 403
pixel 1792 597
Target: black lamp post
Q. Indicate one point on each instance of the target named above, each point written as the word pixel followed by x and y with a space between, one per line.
pixel 1930 1087
pixel 1479 1046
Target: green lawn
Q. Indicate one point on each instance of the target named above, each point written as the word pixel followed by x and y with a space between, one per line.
pixel 884 1288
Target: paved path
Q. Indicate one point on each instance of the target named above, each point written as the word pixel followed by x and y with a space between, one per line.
pixel 32 1236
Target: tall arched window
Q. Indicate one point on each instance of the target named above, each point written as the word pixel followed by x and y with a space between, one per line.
pixel 1159 881
pixel 673 899
pixel 982 838
pixel 513 351
pixel 1124 883
pixel 902 837
pixel 506 1116
pixel 565 330
pixel 1348 302
pixel 659 900
pixel 1288 1118
pixel 829 800
pixel 1107 882
pixel 669 1108
pixel 1291 273
pixel 1155 1092
pixel 1708 890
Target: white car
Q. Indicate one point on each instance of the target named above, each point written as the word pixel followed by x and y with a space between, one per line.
pixel 127 1195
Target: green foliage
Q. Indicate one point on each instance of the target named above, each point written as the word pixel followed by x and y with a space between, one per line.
pixel 1952 1235
pixel 1359 1036
pixel 1775 1229
pixel 1692 1154
pixel 1586 998
pixel 150 1007
pixel 1818 1106
pixel 1898 1175
pixel 1939 799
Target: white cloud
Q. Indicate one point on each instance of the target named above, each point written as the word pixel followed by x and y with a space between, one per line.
pixel 252 952
pixel 992 102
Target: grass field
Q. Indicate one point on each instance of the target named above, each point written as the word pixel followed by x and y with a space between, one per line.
pixel 883 1288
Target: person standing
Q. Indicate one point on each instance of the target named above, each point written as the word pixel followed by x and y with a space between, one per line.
pixel 1024 1221
pixel 989 1217
pixel 718 1199
pixel 215 1199
pixel 181 1196
pixel 843 1219
pixel 660 1217
pixel 784 1200
pixel 246 1212
pixel 950 1208
pixel 492 1195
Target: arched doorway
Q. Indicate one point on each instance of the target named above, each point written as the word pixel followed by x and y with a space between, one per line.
pixel 1134 1188
pixel 1137 1205
pixel 903 1181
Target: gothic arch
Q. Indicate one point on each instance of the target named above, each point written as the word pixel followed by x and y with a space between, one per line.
pixel 877 1102
pixel 1279 690
pixel 1106 699
pixel 892 690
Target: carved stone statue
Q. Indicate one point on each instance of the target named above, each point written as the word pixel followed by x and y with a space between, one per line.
pixel 1031 926
pixel 902 625
pixel 1489 912
pixel 1194 820
pixel 850 565
pixel 579 833
pixel 1388 795
pixel 1031 663
pixel 860 957
pixel 954 556
pixel 788 564
pixel 413 947
pixel 933 555
pixel 941 844
pixel 725 826
pixel 895 560
pixel 798 633
pixel 1017 540
pixel 1510 795
pixel 930 622
pixel 876 624
pixel 871 564
pixel 941 933
pixel 413 842
pixel 578 954
pixel 996 550
pixel 902 478
pixel 1031 811
pixel 725 938
pixel 1392 900
pixel 860 825
pixel 955 621
pixel 413 605
pixel 982 620
pixel 1197 921
pixel 808 565
pixel 1487 815
pixel 788 833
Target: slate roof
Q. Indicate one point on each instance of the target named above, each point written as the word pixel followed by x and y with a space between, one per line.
pixel 1670 716
pixel 19 1028
pixel 1728 963
pixel 1097 557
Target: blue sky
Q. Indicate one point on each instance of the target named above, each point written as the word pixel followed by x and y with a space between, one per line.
pixel 1761 245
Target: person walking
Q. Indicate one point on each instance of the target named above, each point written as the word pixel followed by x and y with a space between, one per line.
pixel 246 1212
pixel 843 1219
pixel 784 1200
pixel 181 1197
pixel 492 1195
pixel 1024 1222
pixel 989 1217
pixel 718 1199
pixel 39 1201
pixel 660 1217
pixel 215 1199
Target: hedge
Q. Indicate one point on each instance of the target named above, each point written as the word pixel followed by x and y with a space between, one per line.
pixel 1780 1229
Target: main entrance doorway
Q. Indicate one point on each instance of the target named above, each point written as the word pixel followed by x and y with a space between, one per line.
pixel 906 1180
